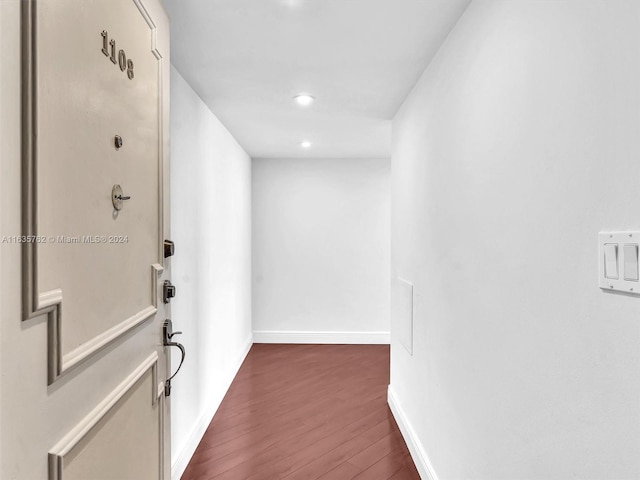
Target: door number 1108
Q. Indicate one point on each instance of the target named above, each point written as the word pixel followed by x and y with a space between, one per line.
pixel 109 50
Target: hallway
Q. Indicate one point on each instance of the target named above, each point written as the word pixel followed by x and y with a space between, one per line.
pixel 306 412
pixel 296 239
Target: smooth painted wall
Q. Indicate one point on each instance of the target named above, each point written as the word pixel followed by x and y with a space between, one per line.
pixel 517 146
pixel 321 253
pixel 211 228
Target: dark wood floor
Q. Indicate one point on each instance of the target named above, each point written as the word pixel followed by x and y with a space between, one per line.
pixel 305 412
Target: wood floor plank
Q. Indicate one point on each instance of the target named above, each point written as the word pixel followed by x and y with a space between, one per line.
pixel 325 462
pixel 386 467
pixel 344 471
pixel 305 412
pixel 408 472
pixel 383 447
pixel 295 452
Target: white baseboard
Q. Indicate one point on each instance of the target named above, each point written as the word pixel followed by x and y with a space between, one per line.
pixel 419 456
pixel 180 465
pixel 272 336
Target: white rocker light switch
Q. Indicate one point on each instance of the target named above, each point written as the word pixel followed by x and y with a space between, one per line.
pixel 611 261
pixel 630 258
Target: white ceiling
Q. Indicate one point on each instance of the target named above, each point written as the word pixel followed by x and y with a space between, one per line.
pixel 360 58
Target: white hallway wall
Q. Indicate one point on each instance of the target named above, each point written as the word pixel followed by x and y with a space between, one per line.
pixel 520 142
pixel 321 254
pixel 211 227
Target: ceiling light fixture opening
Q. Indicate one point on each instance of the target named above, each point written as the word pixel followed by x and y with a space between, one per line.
pixel 304 99
pixel 305 144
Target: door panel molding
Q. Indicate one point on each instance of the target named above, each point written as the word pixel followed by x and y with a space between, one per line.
pixel 88 424
pixel 49 303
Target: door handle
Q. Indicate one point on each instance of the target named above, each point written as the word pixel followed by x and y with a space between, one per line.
pixel 167 335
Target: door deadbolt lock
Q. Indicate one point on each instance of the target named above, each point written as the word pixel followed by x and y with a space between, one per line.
pixel 117 198
pixel 168 291
pixel 169 248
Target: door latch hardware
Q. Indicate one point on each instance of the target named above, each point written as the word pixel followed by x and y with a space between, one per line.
pixel 118 142
pixel 168 291
pixel 167 335
pixel 117 198
pixel 169 248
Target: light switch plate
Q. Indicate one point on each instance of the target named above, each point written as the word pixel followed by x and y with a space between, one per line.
pixel 618 258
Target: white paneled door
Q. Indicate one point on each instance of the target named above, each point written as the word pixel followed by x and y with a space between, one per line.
pixel 93 193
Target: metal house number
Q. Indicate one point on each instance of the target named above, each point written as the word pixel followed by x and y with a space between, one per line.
pixel 109 50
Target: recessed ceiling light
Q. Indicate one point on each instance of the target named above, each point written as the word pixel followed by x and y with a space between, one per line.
pixel 304 100
pixel 305 144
